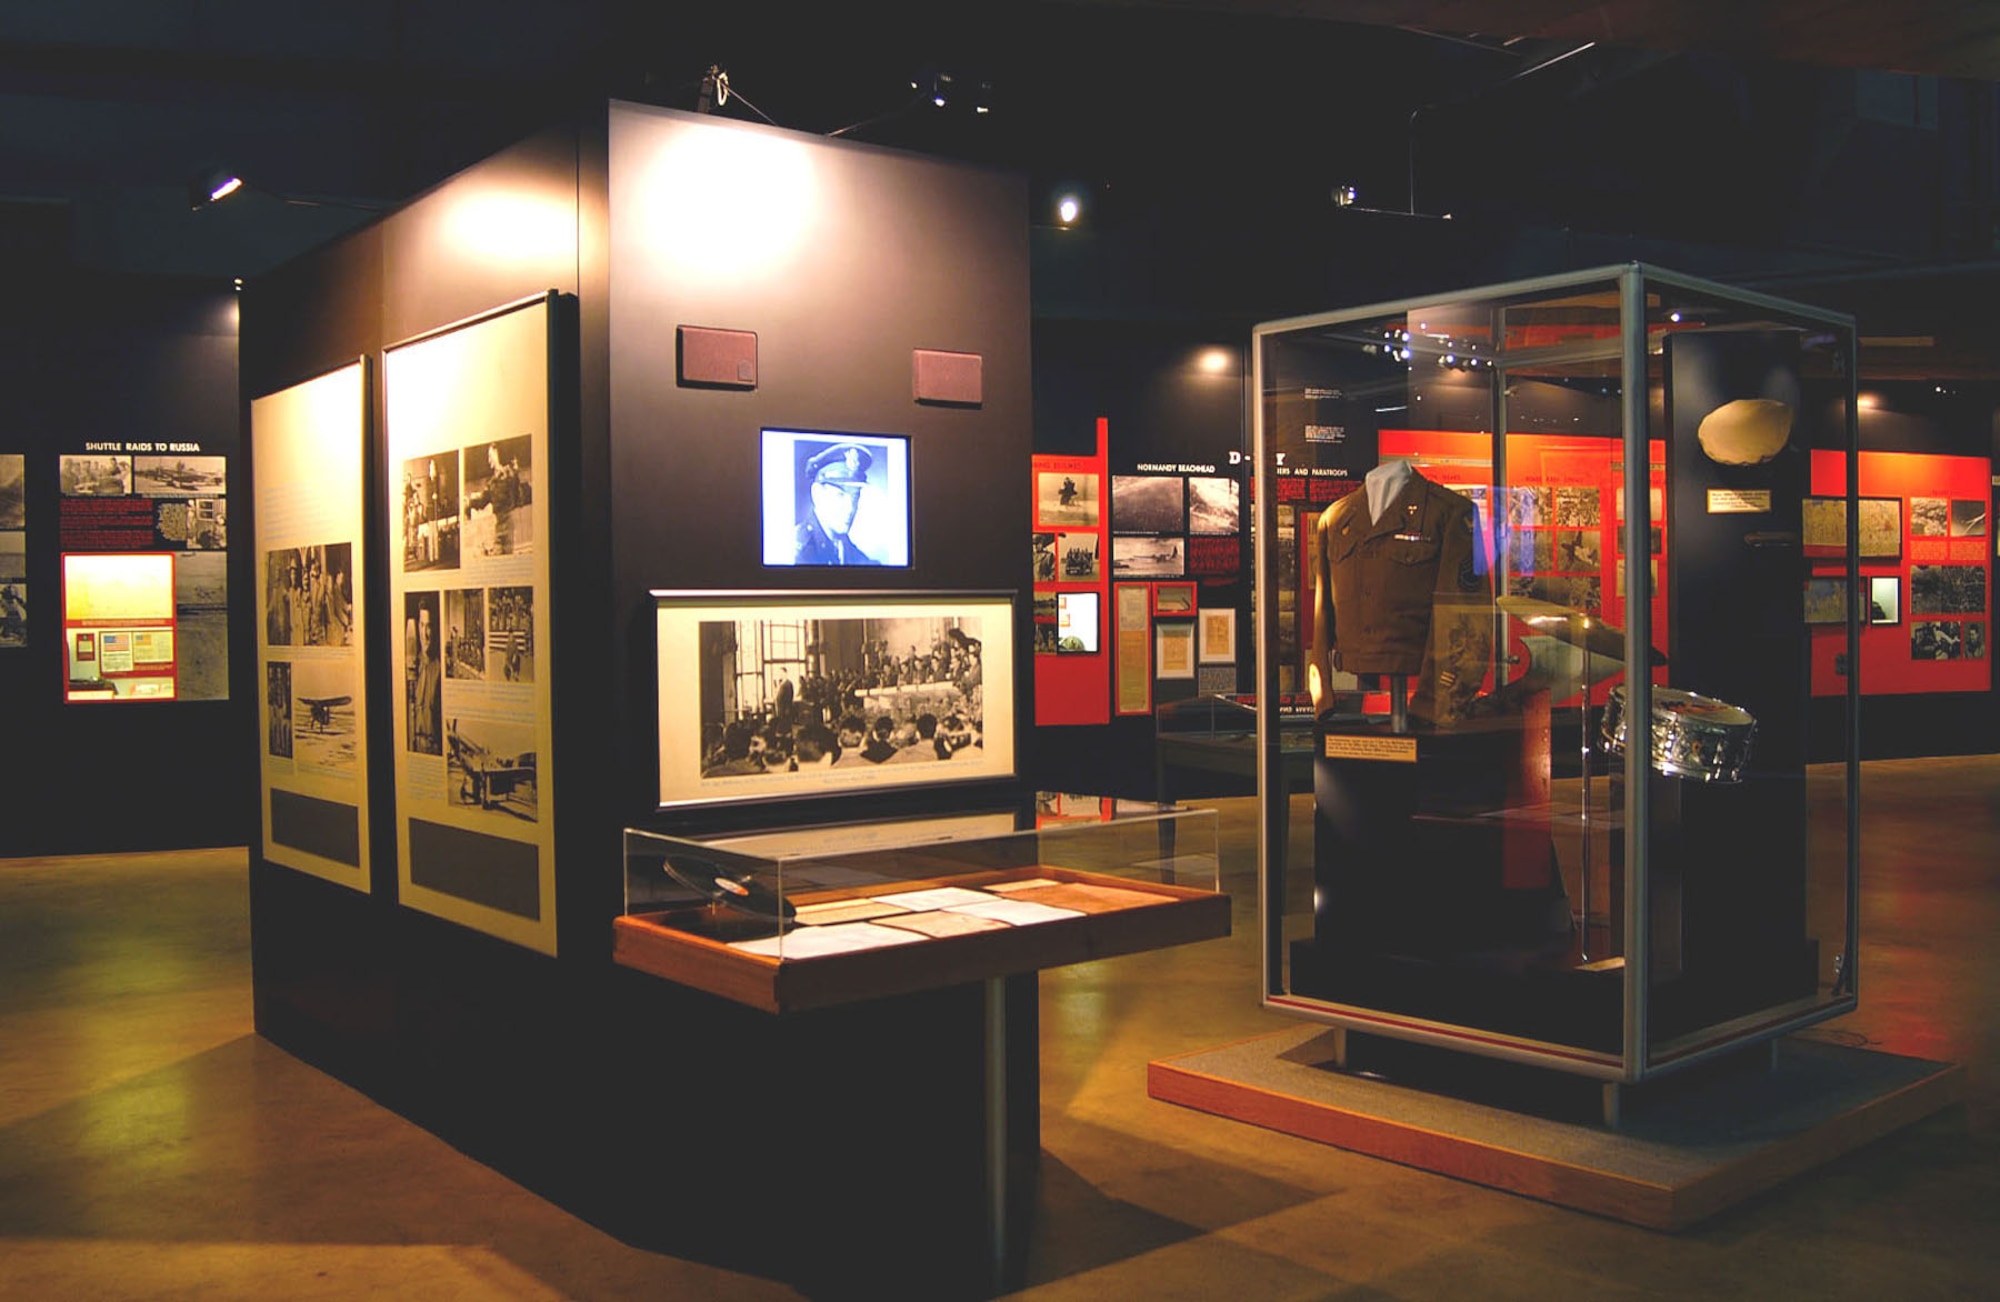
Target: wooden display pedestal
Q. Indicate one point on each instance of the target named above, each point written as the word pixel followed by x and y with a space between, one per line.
pixel 1690 1145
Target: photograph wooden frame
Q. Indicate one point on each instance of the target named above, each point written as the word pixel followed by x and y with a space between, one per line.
pixel 1216 627
pixel 1173 650
pixel 1174 599
pixel 948 702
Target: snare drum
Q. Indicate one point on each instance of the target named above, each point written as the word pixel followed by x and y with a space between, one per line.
pixel 1693 736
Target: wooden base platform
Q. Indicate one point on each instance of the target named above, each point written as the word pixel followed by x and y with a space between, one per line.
pixel 1689 1150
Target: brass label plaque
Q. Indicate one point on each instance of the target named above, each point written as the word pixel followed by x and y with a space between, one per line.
pixel 1393 750
pixel 1739 501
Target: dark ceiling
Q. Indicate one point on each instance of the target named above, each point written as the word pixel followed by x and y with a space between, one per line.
pixel 1627 126
pixel 1951 38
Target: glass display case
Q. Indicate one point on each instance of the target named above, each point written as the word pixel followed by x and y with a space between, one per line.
pixel 1536 552
pixel 809 917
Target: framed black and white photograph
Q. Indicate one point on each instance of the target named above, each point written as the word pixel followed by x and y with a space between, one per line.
pixel 1936 640
pixel 1930 517
pixel 1885 599
pixel 490 766
pixel 1214 505
pixel 1148 558
pixel 836 499
pixel 1078 617
pixel 423 674
pixel 1148 503
pixel 1077 558
pixel 792 694
pixel 465 633
pixel 13 491
pixel 497 516
pixel 1974 639
pixel 1577 551
pixel 13 554
pixel 95 476
pixel 1826 600
pixel 180 476
pixel 1530 505
pixel 1045 624
pixel 510 635
pixel 309 595
pixel 1578 508
pixel 1067 499
pixel 278 696
pixel 430 512
pixel 1968 518
pixel 324 727
pixel 1947 590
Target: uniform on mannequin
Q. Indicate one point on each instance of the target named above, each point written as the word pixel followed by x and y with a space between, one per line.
pixel 1397 590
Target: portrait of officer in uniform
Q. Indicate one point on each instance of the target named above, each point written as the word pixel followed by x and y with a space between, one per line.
pixel 837 490
pixel 1400 589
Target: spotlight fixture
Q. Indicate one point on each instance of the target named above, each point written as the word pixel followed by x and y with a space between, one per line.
pixel 1068 208
pixel 212 186
pixel 1344 196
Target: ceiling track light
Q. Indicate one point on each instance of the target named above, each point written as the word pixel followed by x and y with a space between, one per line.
pixel 208 188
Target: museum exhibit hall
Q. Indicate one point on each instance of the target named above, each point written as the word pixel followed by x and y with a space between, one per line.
pixel 904 653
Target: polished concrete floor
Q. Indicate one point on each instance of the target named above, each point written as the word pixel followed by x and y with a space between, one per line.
pixel 151 1146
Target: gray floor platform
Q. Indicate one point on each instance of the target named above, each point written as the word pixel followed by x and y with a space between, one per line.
pixel 1683 1155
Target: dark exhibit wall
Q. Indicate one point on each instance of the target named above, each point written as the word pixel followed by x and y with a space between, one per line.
pixel 117 368
pixel 1171 395
pixel 333 982
pixel 831 266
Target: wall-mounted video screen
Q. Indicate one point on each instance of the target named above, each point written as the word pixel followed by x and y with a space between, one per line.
pixel 836 499
pixel 1076 623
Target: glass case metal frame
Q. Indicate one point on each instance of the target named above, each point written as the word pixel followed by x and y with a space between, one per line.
pixel 1638 1057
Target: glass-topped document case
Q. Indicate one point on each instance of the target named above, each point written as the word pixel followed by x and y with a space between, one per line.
pixel 809 917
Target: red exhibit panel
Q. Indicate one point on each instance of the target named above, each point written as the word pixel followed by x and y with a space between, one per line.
pixel 118 626
pixel 1565 516
pixel 1925 572
pixel 1072 570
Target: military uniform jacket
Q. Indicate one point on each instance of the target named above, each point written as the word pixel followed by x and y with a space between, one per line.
pixel 817 547
pixel 1388 577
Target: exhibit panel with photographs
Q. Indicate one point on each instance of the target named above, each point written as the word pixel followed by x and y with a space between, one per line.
pixel 141 496
pixel 13 550
pixel 1922 560
pixel 1070 561
pixel 308 446
pixel 835 499
pixel 468 451
pixel 803 694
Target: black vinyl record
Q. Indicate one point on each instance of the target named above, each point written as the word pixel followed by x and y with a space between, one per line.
pixel 719 883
